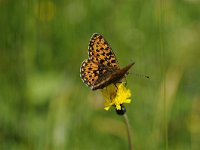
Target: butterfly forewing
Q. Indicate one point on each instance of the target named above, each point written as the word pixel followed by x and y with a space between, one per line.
pixel 101 53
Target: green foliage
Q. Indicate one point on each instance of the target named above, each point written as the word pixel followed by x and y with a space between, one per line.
pixel 45 105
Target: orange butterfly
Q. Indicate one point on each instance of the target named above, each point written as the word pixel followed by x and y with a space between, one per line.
pixel 101 68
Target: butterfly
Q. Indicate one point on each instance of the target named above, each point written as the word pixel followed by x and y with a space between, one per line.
pixel 101 68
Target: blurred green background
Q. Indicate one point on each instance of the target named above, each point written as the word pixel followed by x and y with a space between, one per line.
pixel 45 106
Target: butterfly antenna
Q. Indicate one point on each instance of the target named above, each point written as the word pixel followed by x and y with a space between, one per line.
pixel 141 75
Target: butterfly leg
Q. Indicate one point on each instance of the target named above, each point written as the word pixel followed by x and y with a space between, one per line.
pixel 115 85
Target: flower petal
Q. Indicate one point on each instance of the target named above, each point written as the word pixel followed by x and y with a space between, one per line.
pixel 115 95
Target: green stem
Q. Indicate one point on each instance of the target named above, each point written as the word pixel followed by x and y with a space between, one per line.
pixel 128 131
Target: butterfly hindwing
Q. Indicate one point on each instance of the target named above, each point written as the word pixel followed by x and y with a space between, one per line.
pixel 92 73
pixel 89 72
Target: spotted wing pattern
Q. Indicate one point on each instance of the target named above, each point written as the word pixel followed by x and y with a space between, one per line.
pixel 89 72
pixel 101 68
pixel 100 52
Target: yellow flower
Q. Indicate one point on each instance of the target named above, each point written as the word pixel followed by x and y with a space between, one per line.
pixel 116 95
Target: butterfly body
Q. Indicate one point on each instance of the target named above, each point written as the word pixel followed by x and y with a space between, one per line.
pixel 101 68
pixel 114 77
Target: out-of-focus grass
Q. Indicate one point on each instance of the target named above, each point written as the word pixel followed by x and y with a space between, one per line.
pixel 45 105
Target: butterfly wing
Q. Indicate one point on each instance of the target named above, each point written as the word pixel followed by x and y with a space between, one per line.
pixel 101 68
pixel 89 72
pixel 92 73
pixel 101 53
